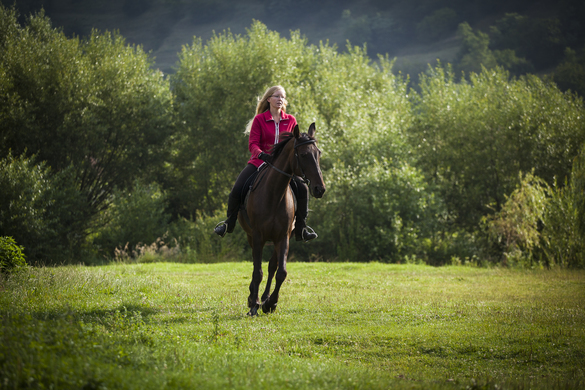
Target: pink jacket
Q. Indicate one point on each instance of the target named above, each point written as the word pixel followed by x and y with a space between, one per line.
pixel 264 133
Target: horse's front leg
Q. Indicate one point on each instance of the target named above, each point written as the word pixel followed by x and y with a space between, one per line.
pixel 253 303
pixel 272 265
pixel 281 249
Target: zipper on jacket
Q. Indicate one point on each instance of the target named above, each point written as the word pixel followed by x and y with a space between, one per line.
pixel 276 133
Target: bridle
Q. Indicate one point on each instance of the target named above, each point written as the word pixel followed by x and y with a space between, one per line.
pixel 303 176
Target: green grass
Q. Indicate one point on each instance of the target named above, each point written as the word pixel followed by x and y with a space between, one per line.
pixel 342 325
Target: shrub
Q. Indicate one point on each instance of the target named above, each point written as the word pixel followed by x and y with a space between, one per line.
pixel 515 227
pixel 11 256
pixel 376 210
pixel 472 138
pixel 43 211
pixel 564 221
pixel 135 216
pixel 93 107
pixel 24 203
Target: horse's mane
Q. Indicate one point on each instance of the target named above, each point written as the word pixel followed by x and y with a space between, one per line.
pixel 284 139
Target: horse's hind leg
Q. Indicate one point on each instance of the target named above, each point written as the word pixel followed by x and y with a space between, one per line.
pixel 272 265
pixel 253 303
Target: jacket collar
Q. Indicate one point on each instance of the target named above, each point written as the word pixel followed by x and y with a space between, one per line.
pixel 268 116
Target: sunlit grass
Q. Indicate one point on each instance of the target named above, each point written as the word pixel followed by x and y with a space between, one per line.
pixel 338 325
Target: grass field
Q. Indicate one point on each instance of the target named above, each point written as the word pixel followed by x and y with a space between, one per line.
pixel 341 325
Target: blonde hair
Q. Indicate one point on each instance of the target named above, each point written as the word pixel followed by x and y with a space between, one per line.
pixel 264 106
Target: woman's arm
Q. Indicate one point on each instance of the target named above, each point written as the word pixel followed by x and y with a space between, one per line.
pixel 255 138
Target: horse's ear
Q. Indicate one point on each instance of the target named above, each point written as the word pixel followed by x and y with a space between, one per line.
pixel 296 131
pixel 312 130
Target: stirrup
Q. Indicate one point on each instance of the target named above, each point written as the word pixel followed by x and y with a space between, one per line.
pixel 307 230
pixel 221 229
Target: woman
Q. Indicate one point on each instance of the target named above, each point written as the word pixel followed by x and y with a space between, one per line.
pixel 264 129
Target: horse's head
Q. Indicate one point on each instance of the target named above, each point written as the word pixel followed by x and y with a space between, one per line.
pixel 308 155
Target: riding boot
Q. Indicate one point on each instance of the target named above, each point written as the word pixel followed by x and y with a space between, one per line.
pixel 229 224
pixel 302 231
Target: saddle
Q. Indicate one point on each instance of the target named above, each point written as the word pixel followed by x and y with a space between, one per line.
pixel 249 186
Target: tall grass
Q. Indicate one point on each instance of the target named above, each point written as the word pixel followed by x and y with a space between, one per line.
pixel 343 325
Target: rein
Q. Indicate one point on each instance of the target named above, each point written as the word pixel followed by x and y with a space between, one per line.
pixel 303 177
pixel 305 180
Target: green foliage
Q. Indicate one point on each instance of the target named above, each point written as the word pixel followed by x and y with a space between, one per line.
pixel 92 111
pixel 564 221
pixel 93 106
pixel 375 211
pixel 24 202
pixel 201 245
pixel 515 227
pixel 473 137
pixel 360 110
pixel 578 188
pixel 45 212
pixel 508 60
pixel 11 256
pixel 474 52
pixel 570 74
pixel 538 40
pixel 409 178
pixel 437 25
pixel 134 216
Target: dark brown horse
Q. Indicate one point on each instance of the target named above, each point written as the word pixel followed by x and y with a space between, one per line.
pixel 271 209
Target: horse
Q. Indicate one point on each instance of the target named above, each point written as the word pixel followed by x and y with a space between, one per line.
pixel 270 209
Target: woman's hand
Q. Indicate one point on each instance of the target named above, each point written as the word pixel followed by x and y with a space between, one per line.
pixel 265 157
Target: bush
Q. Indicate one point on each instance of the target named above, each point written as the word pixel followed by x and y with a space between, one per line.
pixel 472 138
pixel 570 74
pixel 135 216
pixel 93 107
pixel 43 211
pixel 564 221
pixel 538 40
pixel 25 203
pixel 373 211
pixel 199 244
pixel 11 256
pixel 515 227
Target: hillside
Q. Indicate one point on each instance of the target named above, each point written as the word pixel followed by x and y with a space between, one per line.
pixel 162 27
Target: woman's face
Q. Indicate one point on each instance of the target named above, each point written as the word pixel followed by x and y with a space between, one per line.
pixel 276 100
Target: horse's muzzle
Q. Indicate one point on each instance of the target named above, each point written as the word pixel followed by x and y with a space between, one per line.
pixel 318 191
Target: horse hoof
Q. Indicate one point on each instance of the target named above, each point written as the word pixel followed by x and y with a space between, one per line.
pixel 266 308
pixel 253 311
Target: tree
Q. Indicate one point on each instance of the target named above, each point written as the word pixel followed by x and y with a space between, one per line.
pixel 515 227
pixel 538 40
pixel 93 111
pixel 474 52
pixel 564 220
pixel 24 204
pixel 570 73
pixel 474 137
pixel 94 105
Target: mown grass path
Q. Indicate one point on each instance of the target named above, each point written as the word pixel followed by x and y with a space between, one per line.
pixel 338 325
